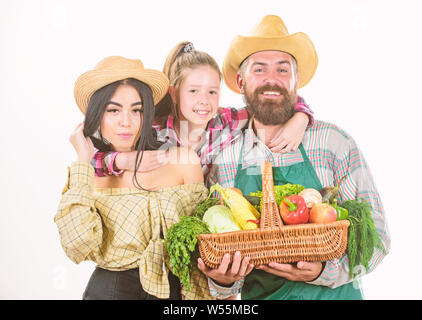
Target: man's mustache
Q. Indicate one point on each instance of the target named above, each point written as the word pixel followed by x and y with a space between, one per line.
pixel 274 88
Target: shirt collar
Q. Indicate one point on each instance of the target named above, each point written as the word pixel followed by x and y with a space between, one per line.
pixel 171 133
pixel 255 150
pixel 251 139
pixel 251 142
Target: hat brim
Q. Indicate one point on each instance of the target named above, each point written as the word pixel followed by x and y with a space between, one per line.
pixel 91 81
pixel 299 45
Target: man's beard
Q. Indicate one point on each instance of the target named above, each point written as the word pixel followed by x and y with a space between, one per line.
pixel 270 112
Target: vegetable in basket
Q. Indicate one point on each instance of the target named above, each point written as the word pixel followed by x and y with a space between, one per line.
pixel 363 237
pixel 330 193
pixel 243 212
pixel 311 197
pixel 322 213
pixel 342 213
pixel 280 192
pixel 181 246
pixel 254 200
pixel 205 205
pixel 329 196
pixel 293 210
pixel 220 219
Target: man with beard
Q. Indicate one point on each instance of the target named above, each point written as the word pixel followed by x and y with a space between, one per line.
pixel 268 67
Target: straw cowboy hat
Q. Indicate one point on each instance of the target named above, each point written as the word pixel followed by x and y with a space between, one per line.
pixel 271 34
pixel 115 68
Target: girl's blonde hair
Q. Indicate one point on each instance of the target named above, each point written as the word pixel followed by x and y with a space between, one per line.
pixel 182 58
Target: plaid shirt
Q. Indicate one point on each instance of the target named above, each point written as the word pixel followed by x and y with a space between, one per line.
pixel 333 154
pixel 119 228
pixel 226 125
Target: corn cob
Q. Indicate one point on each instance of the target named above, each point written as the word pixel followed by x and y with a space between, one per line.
pixel 243 212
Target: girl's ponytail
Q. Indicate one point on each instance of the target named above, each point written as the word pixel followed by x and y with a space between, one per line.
pixel 182 58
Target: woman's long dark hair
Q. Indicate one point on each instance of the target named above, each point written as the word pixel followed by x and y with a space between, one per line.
pixel 96 109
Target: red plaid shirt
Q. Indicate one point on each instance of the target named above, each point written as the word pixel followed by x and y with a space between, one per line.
pixel 226 125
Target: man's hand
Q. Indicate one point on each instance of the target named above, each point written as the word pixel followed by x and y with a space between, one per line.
pixel 225 275
pixel 83 145
pixel 302 271
pixel 151 160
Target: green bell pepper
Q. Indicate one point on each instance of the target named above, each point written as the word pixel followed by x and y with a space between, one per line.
pixel 342 213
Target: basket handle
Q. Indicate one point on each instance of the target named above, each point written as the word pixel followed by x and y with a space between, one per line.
pixel 270 215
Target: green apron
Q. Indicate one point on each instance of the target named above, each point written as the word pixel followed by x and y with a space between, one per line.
pixel 262 285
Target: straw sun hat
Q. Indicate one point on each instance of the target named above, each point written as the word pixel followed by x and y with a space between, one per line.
pixel 115 68
pixel 271 34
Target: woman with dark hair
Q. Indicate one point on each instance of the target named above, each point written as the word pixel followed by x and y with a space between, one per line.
pixel 120 222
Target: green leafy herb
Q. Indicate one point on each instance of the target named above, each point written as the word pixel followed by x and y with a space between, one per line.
pixel 204 205
pixel 363 237
pixel 181 246
pixel 280 192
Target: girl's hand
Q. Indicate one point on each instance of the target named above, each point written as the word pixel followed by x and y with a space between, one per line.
pixel 83 145
pixel 151 160
pixel 290 136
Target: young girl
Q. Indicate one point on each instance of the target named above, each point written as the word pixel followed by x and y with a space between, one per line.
pixel 189 116
pixel 119 222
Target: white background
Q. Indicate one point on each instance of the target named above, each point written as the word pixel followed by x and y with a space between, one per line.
pixel 367 82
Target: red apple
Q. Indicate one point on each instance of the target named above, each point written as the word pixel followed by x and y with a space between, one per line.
pixel 322 213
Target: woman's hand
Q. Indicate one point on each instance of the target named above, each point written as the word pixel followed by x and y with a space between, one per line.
pixel 83 145
pixel 290 136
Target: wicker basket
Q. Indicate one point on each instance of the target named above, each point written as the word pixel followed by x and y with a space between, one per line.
pixel 273 241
